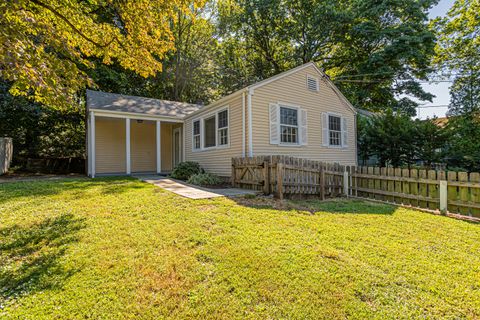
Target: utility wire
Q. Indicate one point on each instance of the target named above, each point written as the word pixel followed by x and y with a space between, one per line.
pixel 379 81
pixel 393 72
pixel 350 77
pixel 433 106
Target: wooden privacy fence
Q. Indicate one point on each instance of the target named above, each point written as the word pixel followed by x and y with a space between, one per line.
pixel 453 192
pixel 283 175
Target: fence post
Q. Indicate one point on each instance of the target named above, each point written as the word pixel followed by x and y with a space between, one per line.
pixel 322 182
pixel 233 173
pixel 345 183
pixel 280 181
pixel 266 177
pixel 443 196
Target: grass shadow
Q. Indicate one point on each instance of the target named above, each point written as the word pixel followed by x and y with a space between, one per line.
pixel 348 206
pixel 30 255
pixel 43 188
pixel 312 206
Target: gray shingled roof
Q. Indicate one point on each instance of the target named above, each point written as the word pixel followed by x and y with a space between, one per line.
pixel 99 100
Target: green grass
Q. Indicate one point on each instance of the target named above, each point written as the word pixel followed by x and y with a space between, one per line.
pixel 123 249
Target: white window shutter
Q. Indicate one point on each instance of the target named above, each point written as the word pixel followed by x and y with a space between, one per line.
pixel 303 127
pixel 344 133
pixel 325 134
pixel 274 124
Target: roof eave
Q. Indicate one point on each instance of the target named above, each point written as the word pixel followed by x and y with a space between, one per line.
pixel 135 115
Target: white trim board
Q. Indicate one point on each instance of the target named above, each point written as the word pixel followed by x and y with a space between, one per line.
pixel 135 116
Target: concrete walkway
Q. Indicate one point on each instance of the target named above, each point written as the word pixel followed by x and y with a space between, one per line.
pixel 193 192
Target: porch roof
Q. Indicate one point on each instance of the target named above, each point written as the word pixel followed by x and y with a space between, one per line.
pixel 104 101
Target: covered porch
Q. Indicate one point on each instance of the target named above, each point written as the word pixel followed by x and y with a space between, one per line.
pixel 122 142
pixel 131 145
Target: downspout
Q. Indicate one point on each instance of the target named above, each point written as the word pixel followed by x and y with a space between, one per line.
pixel 250 135
pixel 87 142
pixel 356 138
pixel 243 124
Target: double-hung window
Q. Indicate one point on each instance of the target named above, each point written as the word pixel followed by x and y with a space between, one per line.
pixel 335 130
pixel 222 128
pixel 196 135
pixel 288 125
pixel 211 131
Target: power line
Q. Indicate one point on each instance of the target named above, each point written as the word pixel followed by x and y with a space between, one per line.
pixel 379 81
pixel 433 106
pixel 348 77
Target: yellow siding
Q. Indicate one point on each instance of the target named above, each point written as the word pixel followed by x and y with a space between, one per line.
pixel 166 146
pixel 292 90
pixel 110 145
pixel 218 161
pixel 143 146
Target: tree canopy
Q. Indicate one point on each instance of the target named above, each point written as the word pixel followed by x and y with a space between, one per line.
pixel 377 52
pixel 46 45
pixel 374 50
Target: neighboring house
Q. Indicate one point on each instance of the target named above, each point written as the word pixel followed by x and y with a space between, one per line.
pixel 299 113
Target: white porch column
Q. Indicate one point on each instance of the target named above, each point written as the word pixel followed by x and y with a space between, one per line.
pixel 127 144
pixel 92 144
pixel 159 147
pixel 182 141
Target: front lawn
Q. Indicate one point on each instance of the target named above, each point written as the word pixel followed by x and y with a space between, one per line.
pixel 119 248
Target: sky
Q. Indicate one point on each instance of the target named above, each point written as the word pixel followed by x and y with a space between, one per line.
pixel 440 90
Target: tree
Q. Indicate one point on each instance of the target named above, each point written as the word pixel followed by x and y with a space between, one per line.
pixel 386 50
pixel 39 131
pixel 260 28
pixel 364 140
pixel 188 71
pixel 458 53
pixel 391 137
pixel 374 50
pixel 46 44
pixel 431 139
pixel 463 147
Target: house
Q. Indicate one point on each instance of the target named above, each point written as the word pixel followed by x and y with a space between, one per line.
pixel 299 113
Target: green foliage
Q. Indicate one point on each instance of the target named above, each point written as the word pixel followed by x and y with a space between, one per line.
pixel 184 170
pixel 391 137
pixel 120 248
pixel 458 52
pixel 39 131
pixel 188 71
pixel 397 140
pixel 431 140
pixel 458 48
pixel 204 179
pixel 374 50
pixel 463 147
pixel 46 44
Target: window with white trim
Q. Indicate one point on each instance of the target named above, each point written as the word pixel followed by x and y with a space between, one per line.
pixel 196 135
pixel 312 83
pixel 288 125
pixel 335 130
pixel 211 130
pixel 222 128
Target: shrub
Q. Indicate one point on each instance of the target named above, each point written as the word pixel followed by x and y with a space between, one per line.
pixel 204 179
pixel 185 170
